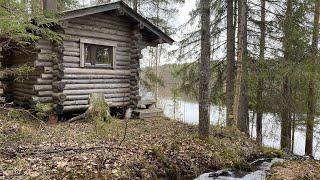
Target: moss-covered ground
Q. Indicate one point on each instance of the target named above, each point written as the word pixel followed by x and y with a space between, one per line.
pixel 156 148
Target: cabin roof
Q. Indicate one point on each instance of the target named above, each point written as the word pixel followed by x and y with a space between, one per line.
pixel 125 10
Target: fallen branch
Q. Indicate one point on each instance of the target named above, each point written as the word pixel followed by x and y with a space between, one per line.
pixel 127 116
pixel 29 152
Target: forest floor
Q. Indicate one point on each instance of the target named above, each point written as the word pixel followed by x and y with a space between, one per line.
pixel 295 169
pixel 157 148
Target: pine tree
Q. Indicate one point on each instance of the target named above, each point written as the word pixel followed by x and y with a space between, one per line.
pixel 286 90
pixel 204 103
pixel 260 80
pixel 312 89
pixel 230 61
pixel 240 100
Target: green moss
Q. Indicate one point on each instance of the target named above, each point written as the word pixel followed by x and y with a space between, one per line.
pixel 272 153
pixel 242 164
pixel 43 110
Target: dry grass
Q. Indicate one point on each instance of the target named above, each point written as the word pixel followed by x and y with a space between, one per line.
pixel 291 170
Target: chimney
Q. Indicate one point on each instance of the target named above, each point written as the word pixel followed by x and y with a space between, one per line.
pixel 50 5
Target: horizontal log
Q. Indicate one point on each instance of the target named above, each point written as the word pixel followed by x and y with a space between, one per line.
pixel 46 76
pixel 70 53
pixel 91 34
pixel 37 81
pixel 98 29
pixel 45 93
pixel 86 102
pixel 84 107
pixel 123 68
pixel 98 22
pixel 72 49
pixel 71 44
pixel 71 59
pixel 94 76
pixel 121 48
pixel 120 63
pixel 46 57
pixel 86 97
pixel 95 71
pixel 42 87
pixel 94 81
pixel 42 99
pixel 38 63
pixel 116 20
pixel 89 91
pixel 71 65
pixel 95 86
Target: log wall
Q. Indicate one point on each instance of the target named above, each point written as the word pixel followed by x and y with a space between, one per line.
pixel 34 87
pixel 60 80
pixel 74 83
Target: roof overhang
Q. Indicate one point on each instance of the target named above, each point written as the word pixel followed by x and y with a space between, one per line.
pixel 124 9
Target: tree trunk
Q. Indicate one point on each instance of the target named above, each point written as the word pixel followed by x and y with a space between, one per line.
pixel 98 109
pixel 50 5
pixel 240 105
pixel 204 104
pixel 244 101
pixel 230 62
pixel 286 93
pixel 260 80
pixel 312 89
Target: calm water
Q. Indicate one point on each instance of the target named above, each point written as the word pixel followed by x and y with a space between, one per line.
pixel 188 112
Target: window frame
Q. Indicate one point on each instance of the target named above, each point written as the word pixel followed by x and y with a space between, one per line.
pixel 112 44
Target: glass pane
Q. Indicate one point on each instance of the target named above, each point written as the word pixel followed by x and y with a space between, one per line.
pixel 95 54
pixel 86 54
pixel 104 55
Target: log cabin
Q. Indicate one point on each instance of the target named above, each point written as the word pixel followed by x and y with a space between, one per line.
pixel 100 53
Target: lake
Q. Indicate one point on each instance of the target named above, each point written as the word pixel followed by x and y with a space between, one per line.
pixel 188 112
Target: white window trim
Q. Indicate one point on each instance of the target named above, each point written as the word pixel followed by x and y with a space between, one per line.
pixel 97 42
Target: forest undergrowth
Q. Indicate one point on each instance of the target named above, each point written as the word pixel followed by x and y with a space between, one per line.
pixel 155 148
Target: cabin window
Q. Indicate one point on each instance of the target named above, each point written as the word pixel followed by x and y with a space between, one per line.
pixel 96 53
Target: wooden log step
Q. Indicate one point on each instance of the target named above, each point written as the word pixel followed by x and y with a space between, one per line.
pixel 147 113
